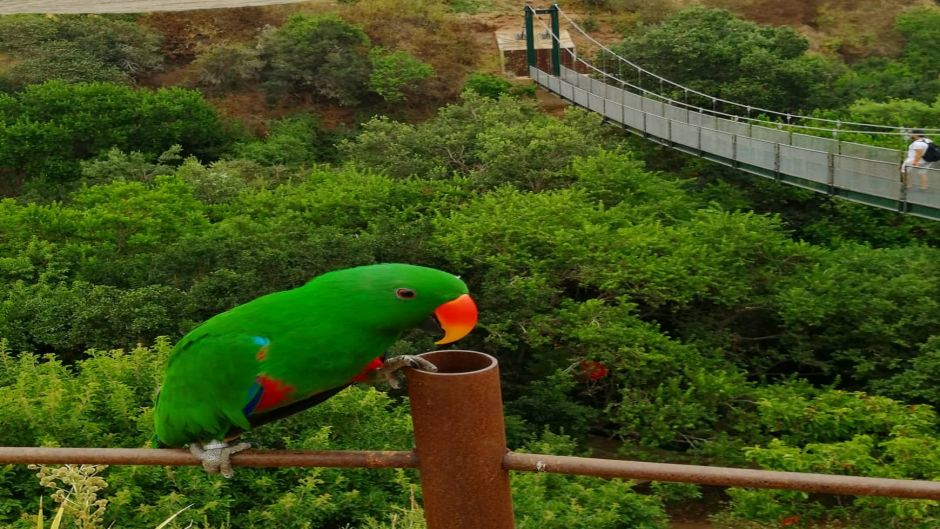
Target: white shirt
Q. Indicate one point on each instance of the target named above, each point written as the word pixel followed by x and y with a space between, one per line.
pixel 920 144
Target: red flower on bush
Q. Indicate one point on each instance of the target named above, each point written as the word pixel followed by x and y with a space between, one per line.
pixel 593 369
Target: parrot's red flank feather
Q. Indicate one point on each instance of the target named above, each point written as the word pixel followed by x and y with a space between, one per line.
pixel 366 371
pixel 273 393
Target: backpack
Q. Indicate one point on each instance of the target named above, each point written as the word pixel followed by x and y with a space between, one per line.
pixel 931 153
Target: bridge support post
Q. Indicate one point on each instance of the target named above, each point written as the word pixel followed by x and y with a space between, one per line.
pixel 556 40
pixel 530 36
pixel 902 195
pixel 460 439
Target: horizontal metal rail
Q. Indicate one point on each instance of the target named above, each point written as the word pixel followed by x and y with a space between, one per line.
pixel 181 457
pixel 604 468
pixel 724 476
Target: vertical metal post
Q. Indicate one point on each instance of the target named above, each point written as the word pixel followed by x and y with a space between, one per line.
pixel 902 194
pixel 556 41
pixel 776 161
pixel 460 440
pixel 734 150
pixel 530 37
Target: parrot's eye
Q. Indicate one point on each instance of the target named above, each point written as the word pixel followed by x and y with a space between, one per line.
pixel 405 293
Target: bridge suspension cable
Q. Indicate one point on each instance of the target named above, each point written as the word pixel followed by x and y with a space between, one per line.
pixel 789 119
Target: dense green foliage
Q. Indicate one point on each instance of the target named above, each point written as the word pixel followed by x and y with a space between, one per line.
pixel 46 129
pixel 77 49
pixel 327 57
pixel 771 67
pixel 494 86
pixel 321 55
pixel 394 73
pixel 227 67
pixel 712 51
pixel 297 140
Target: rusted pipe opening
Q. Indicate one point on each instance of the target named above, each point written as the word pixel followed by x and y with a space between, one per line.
pixel 458 362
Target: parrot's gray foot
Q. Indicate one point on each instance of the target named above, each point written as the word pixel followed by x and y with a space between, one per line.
pixel 215 456
pixel 395 363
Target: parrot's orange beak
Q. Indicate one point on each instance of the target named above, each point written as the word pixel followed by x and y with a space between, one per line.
pixel 456 318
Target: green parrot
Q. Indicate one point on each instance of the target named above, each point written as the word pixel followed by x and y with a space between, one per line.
pixel 284 352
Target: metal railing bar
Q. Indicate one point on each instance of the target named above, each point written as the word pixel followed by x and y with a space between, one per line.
pixel 606 468
pixel 182 457
pixel 724 476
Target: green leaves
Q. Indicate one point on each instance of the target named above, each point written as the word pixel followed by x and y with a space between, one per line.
pixel 714 52
pixel 919 28
pixel 323 55
pixel 555 501
pixel 394 74
pixel 837 432
pixel 46 129
pixel 78 49
pixel 293 141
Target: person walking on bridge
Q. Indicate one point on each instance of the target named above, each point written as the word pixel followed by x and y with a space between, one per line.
pixel 914 162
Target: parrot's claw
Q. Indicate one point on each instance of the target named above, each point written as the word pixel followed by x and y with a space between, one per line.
pixel 392 365
pixel 215 456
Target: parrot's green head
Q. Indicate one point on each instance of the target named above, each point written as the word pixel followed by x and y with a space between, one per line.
pixel 396 297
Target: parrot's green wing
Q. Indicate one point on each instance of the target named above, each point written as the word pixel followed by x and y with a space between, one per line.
pixel 219 385
pixel 207 383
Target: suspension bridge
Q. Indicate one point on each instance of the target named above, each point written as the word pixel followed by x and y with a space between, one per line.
pixel 799 150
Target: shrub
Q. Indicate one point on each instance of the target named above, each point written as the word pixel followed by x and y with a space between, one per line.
pixel 45 130
pixel 395 73
pixel 64 61
pixel 78 48
pixel 426 30
pixel 837 432
pixel 714 52
pixel 320 56
pixel 227 67
pixel 487 85
pixel 297 140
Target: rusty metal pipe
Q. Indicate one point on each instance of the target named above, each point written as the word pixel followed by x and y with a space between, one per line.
pixel 169 456
pixel 723 476
pixel 461 440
